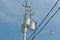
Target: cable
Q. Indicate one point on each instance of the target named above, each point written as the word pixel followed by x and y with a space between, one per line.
pixel 43 19
pixel 46 23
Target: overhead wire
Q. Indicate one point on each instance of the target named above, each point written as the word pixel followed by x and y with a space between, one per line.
pixel 43 20
pixel 46 23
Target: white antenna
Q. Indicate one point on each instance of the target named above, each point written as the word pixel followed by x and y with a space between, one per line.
pixel 28 23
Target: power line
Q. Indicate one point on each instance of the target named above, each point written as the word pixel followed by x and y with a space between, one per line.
pixel 43 19
pixel 46 23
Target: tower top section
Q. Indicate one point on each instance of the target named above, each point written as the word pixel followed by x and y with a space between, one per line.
pixel 27 7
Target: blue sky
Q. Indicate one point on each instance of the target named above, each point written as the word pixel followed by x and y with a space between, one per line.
pixel 11 18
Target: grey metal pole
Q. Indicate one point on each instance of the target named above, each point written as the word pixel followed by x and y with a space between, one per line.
pixel 24 34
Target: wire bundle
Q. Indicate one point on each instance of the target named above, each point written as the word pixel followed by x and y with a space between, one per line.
pixel 43 21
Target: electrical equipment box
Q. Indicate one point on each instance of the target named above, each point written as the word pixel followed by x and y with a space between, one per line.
pixel 26 21
pixel 32 26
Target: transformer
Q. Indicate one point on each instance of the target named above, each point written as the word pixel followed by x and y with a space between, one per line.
pixel 26 20
pixel 28 23
pixel 32 26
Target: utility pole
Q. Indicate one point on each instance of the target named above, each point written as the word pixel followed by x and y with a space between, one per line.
pixel 25 17
pixel 24 34
pixel 28 22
